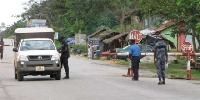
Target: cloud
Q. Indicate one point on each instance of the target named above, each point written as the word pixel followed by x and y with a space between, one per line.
pixel 8 8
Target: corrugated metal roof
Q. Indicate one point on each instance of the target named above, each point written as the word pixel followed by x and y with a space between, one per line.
pixel 34 30
pixel 101 34
pixel 104 33
pixel 107 41
pixel 164 26
pixel 96 33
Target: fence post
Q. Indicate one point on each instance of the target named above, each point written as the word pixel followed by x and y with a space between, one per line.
pixel 188 67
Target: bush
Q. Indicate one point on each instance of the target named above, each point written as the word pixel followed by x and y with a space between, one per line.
pixel 74 48
pixel 57 43
pixel 83 48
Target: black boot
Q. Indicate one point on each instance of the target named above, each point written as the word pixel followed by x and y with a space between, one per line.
pixel 66 77
pixel 159 83
pixel 163 82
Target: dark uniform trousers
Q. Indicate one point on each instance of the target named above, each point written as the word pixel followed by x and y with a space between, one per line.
pixel 64 61
pixel 135 66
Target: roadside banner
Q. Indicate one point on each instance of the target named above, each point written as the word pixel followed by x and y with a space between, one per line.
pixel 80 39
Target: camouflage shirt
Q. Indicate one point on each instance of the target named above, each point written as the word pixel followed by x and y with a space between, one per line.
pixel 161 48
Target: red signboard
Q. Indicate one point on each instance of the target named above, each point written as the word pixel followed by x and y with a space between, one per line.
pixel 136 35
pixel 187 47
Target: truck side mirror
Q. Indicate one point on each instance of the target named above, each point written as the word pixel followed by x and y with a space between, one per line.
pixel 15 49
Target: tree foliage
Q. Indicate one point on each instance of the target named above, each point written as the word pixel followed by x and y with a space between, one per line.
pixel 179 11
pixel 69 17
pixel 123 9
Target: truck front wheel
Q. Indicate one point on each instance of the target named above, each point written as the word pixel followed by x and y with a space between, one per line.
pixel 58 75
pixel 20 77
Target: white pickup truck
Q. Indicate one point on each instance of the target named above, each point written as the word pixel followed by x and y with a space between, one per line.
pixel 34 55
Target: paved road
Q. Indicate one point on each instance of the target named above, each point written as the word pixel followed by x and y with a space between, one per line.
pixel 91 80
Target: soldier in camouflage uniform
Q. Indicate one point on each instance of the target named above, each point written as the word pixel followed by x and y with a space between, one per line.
pixel 160 59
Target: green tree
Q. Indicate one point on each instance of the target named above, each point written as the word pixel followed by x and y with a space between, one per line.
pixel 85 14
pixel 46 9
pixel 69 16
pixel 179 11
pixel 123 9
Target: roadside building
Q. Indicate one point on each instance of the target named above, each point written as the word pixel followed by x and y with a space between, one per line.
pixel 102 35
pixel 117 41
pixel 178 39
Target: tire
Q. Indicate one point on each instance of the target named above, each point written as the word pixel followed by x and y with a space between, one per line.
pixel 15 73
pixel 52 76
pixel 20 77
pixel 58 75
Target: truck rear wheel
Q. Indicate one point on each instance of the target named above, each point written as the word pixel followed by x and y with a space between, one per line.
pixel 20 77
pixel 58 75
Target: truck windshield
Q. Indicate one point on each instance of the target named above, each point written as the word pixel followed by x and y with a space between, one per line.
pixel 37 45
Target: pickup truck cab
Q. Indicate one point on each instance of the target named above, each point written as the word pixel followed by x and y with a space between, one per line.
pixel 36 56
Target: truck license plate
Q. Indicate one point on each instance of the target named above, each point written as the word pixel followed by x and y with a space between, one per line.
pixel 39 68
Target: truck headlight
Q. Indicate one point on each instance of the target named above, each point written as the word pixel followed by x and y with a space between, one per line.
pixel 23 58
pixel 55 57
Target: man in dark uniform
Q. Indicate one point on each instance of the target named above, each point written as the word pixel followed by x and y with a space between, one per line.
pixel 160 59
pixel 134 55
pixel 64 55
pixel 1 48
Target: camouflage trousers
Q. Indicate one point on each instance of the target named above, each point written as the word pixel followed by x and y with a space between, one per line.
pixel 160 68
